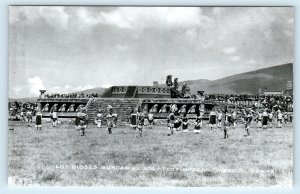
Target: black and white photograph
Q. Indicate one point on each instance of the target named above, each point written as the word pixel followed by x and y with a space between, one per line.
pixel 149 96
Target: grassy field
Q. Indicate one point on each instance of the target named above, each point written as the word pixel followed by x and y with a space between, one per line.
pixel 59 156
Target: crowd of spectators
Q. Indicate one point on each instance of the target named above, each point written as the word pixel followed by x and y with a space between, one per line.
pixel 282 102
pixel 272 102
pixel 18 110
pixel 73 95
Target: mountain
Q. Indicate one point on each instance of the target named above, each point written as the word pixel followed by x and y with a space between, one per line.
pixel 98 90
pixel 273 78
pixel 23 100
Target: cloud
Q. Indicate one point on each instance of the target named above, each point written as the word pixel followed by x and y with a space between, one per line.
pixel 55 16
pixel 288 33
pixel 142 44
pixel 218 10
pixel 234 58
pixel 35 84
pixel 229 50
pixel 17 91
pixel 120 19
pixel 23 14
pixel 290 21
pixel 121 47
pixel 107 85
pixel 191 33
pixel 87 20
pixel 69 89
pixel 252 61
pixel 145 17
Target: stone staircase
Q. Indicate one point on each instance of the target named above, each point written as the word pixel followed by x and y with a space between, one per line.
pixel 130 91
pixel 121 106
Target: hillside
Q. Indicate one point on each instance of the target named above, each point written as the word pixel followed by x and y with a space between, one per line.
pixel 23 100
pixel 98 90
pixel 273 78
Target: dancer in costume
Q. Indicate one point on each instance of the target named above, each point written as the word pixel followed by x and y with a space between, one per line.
pixel 226 124
pixel 265 118
pixel 150 119
pixel 185 123
pixel 171 120
pixel 198 124
pixel 141 122
pixel 279 119
pixel 133 120
pixel 234 116
pixel 212 119
pixel 259 119
pixel 54 117
pixel 98 119
pixel 29 116
pixel 38 120
pixel 248 122
pixel 177 124
pixel 110 119
pixel 270 118
pixel 77 120
pixel 219 115
pixel 83 121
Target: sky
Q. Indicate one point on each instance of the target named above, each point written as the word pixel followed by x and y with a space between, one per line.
pixel 65 49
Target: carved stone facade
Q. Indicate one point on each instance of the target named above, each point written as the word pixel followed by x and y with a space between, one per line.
pixel 119 89
pixel 153 90
pixel 137 92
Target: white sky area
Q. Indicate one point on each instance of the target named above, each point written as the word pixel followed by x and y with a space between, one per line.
pixel 67 49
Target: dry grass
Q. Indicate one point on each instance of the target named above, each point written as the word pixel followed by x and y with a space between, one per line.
pixel 42 157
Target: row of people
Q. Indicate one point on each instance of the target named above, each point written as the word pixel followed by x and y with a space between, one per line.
pixel 72 95
pixel 227 119
pixel 223 119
